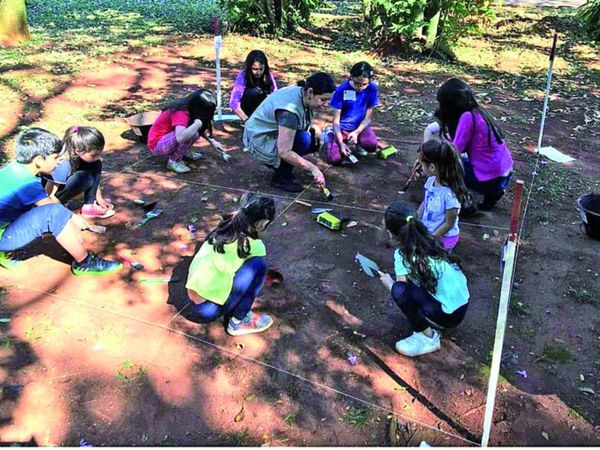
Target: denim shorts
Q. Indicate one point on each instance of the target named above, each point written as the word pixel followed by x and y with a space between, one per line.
pixel 50 218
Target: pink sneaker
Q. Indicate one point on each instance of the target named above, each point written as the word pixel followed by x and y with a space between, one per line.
pixel 95 211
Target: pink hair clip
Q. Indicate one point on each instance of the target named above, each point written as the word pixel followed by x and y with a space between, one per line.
pixel 75 129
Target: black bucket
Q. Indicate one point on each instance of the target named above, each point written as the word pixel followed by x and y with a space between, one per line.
pixel 589 208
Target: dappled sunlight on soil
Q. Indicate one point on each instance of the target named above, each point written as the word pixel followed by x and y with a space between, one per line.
pixel 108 360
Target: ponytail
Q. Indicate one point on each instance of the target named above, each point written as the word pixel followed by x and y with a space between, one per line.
pixel 241 225
pixel 320 83
pixel 78 140
pixel 416 244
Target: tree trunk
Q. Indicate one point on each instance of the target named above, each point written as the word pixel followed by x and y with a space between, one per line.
pixel 278 6
pixel 418 16
pixel 432 31
pixel 13 21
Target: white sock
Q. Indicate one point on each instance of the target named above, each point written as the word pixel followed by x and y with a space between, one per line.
pixel 236 321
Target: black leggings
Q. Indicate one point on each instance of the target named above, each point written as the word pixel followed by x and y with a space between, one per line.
pixel 86 179
pixel 418 305
pixel 251 99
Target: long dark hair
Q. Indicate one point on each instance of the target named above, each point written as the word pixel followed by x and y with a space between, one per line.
pixel 449 166
pixel 416 244
pixel 320 82
pixel 264 82
pixel 455 98
pixel 241 225
pixel 200 104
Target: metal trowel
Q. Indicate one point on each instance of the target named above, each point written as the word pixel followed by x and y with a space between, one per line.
pixel 369 267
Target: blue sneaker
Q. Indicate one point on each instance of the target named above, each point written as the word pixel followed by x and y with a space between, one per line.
pixel 252 323
pixel 92 265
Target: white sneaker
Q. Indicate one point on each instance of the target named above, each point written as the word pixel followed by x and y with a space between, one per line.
pixel 193 155
pixel 418 344
pixel 178 166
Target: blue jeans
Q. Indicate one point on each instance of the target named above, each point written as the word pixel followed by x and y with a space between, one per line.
pixel 247 283
pixel 86 179
pixel 492 190
pixel 304 143
pixel 418 305
pixel 51 218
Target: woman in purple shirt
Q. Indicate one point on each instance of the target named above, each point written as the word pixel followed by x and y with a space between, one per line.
pixel 473 131
pixel 252 85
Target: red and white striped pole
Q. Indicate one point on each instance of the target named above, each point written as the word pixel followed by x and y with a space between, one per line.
pixel 507 282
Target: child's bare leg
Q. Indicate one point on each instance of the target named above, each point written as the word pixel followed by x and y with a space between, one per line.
pixel 70 239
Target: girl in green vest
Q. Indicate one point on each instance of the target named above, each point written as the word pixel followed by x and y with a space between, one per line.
pixel 229 270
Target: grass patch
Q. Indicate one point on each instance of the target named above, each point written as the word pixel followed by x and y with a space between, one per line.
pixel 484 372
pixel 517 307
pixel 216 360
pixel 130 372
pixel 545 218
pixel 357 416
pixel 581 295
pixel 557 353
pixel 290 419
pixel 238 438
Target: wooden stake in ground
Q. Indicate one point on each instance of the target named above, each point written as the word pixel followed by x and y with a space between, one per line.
pixel 507 281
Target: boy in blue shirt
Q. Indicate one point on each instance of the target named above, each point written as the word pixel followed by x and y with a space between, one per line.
pixel 27 212
pixel 353 102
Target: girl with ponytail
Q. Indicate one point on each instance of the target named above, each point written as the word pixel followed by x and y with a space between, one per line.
pixel 430 288
pixel 229 270
pixel 445 191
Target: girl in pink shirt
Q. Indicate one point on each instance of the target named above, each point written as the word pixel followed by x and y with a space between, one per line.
pixel 180 125
pixel 461 120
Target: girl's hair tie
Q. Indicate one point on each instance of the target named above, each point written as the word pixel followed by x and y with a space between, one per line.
pixel 409 218
pixel 75 129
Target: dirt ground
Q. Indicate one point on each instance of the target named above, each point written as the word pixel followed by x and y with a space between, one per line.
pixel 107 360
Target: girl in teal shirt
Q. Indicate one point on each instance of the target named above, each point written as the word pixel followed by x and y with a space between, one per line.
pixel 430 288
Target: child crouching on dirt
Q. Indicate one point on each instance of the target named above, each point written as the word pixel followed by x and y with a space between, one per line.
pixel 473 131
pixel 81 172
pixel 180 125
pixel 430 288
pixel 229 270
pixel 27 212
pixel 353 102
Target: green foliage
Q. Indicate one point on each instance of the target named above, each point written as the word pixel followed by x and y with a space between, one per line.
pixel 590 14
pixel 463 16
pixel 100 17
pixel 423 25
pixel 267 17
pixel 394 20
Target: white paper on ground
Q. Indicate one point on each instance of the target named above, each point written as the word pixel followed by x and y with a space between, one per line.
pixel 555 155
